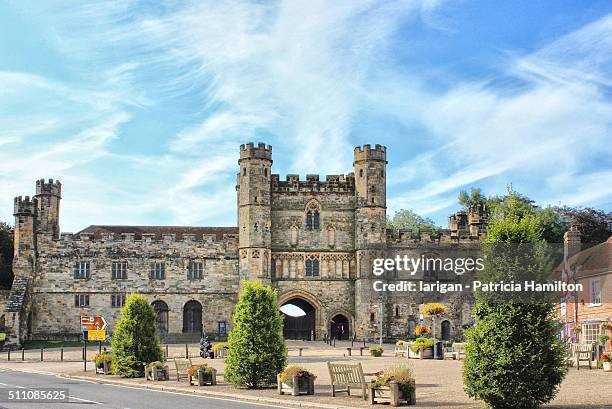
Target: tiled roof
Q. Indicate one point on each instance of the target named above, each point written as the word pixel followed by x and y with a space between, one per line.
pixel 159 231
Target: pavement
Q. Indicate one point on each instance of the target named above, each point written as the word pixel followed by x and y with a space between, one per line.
pixel 439 383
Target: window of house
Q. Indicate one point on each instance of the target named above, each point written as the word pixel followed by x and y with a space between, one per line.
pixel 243 171
pixel 196 270
pixel 117 300
pixel 312 215
pixel 222 329
pixel 81 300
pixel 119 271
pixel 360 173
pixel 157 271
pixel 273 269
pixel 266 172
pixel 397 311
pixel 312 267
pixel 82 269
pixel 372 317
pixel 595 292
pixel 590 331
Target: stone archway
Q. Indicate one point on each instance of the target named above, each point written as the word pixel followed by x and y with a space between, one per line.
pixel 192 317
pixel 305 301
pixel 446 330
pixel 339 327
pixel 161 312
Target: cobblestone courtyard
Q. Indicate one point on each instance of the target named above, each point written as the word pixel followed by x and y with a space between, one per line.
pixel 439 383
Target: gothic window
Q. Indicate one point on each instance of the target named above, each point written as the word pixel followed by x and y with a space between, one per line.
pixel 157 271
pixel 81 300
pixel 117 300
pixel 195 271
pixel 82 269
pixel 273 269
pixel 360 173
pixel 119 271
pixel 312 215
pixel 312 266
pixel 243 171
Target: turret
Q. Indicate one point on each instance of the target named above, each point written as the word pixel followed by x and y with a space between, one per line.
pixel 25 212
pixel 48 195
pixel 370 195
pixel 254 211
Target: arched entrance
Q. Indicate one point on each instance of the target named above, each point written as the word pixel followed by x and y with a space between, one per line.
pixel 339 327
pixel 192 317
pixel 299 327
pixel 161 311
pixel 446 330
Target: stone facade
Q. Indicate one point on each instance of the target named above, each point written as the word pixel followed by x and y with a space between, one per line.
pixel 313 240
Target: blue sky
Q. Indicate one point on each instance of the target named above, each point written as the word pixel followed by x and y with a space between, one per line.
pixel 139 108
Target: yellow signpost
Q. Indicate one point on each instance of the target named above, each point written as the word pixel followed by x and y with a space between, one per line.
pixel 96 335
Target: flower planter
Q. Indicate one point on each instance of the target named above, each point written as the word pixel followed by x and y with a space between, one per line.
pixel 154 373
pixel 221 353
pixel 607 366
pixel 393 394
pixel 105 369
pixel 204 378
pixel 302 385
pixel 423 353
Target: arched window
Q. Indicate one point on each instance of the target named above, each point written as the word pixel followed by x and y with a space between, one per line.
pixel 312 215
pixel 161 311
pixel 312 266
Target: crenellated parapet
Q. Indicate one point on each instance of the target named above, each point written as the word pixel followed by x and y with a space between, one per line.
pixel 25 206
pixel 250 151
pixel 146 238
pixel 332 183
pixel 50 187
pixel 366 152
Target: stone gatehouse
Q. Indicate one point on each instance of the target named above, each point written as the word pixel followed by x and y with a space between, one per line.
pixel 313 240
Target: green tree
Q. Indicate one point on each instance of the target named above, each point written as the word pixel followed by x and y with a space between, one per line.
pixel 472 199
pixel 409 220
pixel 595 225
pixel 135 340
pixel 257 350
pixel 6 255
pixel 513 357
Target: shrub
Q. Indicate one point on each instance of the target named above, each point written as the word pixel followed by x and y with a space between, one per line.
pixel 376 351
pixel 257 350
pixel 286 376
pixel 135 341
pixel 603 339
pixel 421 342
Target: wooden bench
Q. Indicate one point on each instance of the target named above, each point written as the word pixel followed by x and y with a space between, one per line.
pixel 583 352
pixel 182 365
pixel 402 350
pixel 347 376
pixel 299 349
pixel 457 351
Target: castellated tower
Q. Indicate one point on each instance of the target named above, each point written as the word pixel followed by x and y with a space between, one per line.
pixel 25 213
pixel 254 211
pixel 370 226
pixel 48 195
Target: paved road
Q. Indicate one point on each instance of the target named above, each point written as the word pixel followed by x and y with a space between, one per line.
pixel 87 395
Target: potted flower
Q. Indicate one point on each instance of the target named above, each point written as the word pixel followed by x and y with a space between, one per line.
pixel 606 362
pixel 103 362
pixel 376 351
pixel 422 329
pixel 423 348
pixel 157 371
pixel 395 385
pixel 603 339
pixel 295 380
pixel 220 349
pixel 205 374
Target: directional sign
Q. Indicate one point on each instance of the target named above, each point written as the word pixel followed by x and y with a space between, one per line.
pixel 96 335
pixel 92 323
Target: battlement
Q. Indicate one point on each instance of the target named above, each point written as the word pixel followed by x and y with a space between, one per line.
pixel 51 187
pixel 250 151
pixel 25 206
pixel 365 152
pixel 145 238
pixel 406 237
pixel 332 183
